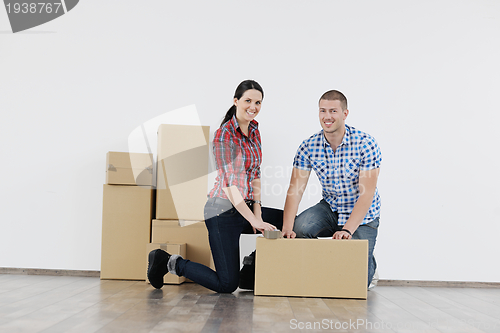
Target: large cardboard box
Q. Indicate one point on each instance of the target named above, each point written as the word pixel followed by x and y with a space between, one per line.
pixel 311 267
pixel 126 227
pixel 194 235
pixel 171 249
pixel 129 168
pixel 182 172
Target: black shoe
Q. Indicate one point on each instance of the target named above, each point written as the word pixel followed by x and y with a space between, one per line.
pixel 157 267
pixel 247 273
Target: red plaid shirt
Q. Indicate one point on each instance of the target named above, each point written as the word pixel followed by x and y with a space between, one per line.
pixel 237 158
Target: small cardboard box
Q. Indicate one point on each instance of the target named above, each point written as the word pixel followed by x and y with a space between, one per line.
pixel 129 168
pixel 126 227
pixel 194 235
pixel 182 172
pixel 171 249
pixel 311 267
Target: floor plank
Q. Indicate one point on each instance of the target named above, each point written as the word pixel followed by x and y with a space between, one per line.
pixel 53 304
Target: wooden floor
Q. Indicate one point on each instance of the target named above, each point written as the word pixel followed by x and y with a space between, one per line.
pixel 34 303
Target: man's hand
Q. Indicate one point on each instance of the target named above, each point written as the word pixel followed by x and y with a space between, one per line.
pixel 288 234
pixel 342 234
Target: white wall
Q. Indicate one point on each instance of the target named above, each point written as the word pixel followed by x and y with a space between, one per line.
pixel 421 76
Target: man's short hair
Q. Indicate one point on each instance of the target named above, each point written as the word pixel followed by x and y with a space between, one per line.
pixel 335 95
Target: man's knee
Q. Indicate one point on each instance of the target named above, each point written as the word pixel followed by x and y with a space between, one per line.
pixel 303 229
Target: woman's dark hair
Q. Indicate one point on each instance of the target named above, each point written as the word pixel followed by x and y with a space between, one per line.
pixel 240 90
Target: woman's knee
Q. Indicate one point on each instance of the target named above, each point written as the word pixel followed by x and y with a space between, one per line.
pixel 228 288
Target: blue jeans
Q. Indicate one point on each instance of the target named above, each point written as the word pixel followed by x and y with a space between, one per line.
pixel 320 221
pixel 225 225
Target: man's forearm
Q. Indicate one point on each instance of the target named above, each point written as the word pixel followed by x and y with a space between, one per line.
pixel 367 186
pixel 290 211
pixel 298 183
pixel 358 212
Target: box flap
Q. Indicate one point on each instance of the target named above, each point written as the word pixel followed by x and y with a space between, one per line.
pixel 126 160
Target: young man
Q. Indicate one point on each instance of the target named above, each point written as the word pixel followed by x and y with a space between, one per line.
pixel 347 163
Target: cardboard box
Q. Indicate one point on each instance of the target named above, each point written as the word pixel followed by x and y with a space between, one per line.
pixel 171 249
pixel 182 172
pixel 126 226
pixel 311 267
pixel 194 235
pixel 129 168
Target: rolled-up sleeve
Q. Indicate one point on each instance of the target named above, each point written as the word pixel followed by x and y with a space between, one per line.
pixel 371 156
pixel 302 160
pixel 257 173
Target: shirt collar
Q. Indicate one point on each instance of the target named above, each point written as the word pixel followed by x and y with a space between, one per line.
pixel 251 127
pixel 345 140
pixel 347 136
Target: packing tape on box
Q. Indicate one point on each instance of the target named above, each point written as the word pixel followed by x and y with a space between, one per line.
pixel 111 167
pixel 272 234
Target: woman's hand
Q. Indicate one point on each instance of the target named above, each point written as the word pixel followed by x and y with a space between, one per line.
pixel 260 225
pixel 257 211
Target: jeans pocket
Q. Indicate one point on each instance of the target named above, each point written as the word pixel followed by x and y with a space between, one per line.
pixel 374 224
pixel 229 212
pixel 209 212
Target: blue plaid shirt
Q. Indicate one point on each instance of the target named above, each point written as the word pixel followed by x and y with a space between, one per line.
pixel 338 172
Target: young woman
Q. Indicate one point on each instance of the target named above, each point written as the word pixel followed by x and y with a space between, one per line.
pixel 234 205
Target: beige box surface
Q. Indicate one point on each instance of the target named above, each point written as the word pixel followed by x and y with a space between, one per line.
pixel 194 235
pixel 182 172
pixel 171 249
pixel 129 168
pixel 311 267
pixel 126 229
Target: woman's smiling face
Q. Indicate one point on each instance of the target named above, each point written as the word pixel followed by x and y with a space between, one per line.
pixel 248 106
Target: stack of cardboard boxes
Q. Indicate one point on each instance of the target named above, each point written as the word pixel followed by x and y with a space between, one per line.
pixel 128 207
pixel 130 229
